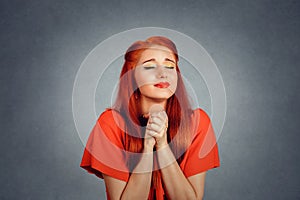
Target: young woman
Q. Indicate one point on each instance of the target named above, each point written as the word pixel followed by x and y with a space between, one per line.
pixel 151 144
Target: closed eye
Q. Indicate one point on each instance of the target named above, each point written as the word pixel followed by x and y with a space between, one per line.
pixel 149 67
pixel 169 67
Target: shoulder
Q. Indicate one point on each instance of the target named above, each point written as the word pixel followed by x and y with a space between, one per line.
pixel 200 116
pixel 200 121
pixel 111 124
pixel 202 153
pixel 110 116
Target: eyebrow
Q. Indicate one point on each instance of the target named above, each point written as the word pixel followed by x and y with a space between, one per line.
pixel 166 59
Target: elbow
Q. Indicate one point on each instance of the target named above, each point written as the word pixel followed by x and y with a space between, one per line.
pixel 188 196
pixel 199 196
pixel 194 196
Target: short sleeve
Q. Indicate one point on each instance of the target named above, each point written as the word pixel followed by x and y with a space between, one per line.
pixel 202 154
pixel 104 151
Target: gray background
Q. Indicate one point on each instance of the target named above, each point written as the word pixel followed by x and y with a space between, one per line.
pixel 254 43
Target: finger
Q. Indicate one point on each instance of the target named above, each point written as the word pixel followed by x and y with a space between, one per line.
pixel 161 115
pixel 156 120
pixel 155 108
pixel 155 127
pixel 159 121
pixel 147 135
pixel 146 115
pixel 164 115
pixel 152 133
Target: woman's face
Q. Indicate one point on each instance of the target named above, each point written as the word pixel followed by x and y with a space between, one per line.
pixel 156 74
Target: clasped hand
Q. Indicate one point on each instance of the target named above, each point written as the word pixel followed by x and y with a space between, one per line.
pixel 156 129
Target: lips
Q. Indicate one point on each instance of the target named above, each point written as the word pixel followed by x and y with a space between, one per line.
pixel 162 85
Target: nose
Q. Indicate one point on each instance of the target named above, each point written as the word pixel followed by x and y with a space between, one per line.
pixel 161 72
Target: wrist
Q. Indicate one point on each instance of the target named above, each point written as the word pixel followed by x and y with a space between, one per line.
pixel 148 148
pixel 160 145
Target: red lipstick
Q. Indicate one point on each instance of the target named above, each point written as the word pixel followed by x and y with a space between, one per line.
pixel 162 85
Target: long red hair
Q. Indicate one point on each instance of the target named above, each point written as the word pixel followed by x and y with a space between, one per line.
pixel 127 104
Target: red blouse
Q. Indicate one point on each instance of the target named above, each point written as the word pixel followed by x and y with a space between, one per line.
pixel 105 152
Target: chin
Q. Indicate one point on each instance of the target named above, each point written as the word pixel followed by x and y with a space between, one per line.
pixel 156 95
pixel 159 97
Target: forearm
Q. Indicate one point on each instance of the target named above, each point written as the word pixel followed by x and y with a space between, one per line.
pixel 138 185
pixel 177 185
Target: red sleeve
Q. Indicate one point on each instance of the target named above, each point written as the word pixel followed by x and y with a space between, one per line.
pixel 202 154
pixel 104 151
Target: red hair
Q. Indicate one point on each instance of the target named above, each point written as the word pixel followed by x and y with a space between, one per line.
pixel 127 104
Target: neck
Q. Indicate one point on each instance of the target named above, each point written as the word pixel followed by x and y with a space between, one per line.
pixel 147 103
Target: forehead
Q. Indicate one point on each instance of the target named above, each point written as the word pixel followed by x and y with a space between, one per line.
pixel 157 52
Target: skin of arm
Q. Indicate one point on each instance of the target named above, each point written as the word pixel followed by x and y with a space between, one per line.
pixel 177 185
pixel 138 185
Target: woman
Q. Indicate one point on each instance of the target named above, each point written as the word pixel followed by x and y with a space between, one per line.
pixel 151 144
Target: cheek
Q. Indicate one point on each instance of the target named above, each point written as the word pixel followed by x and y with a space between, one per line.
pixel 173 80
pixel 142 78
pixel 148 90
